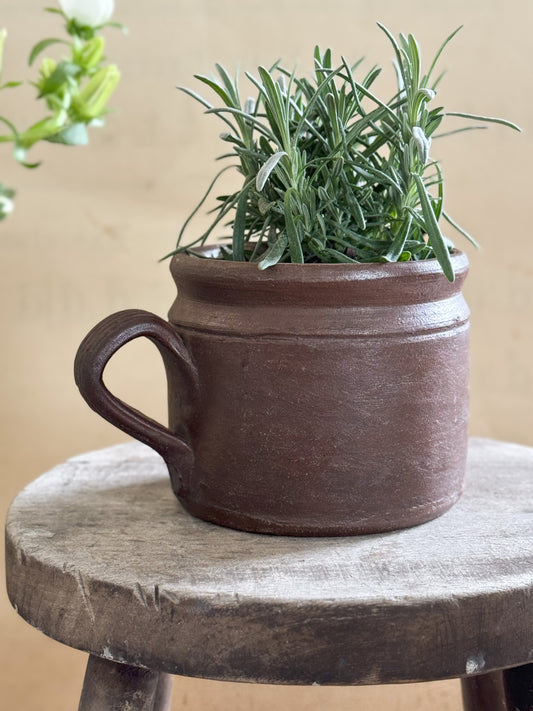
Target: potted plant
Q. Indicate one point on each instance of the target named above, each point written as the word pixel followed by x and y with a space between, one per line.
pixel 318 363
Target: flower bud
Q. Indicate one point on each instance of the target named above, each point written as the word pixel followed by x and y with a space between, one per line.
pixel 47 68
pixel 91 53
pixel 90 13
pixel 92 99
pixel 6 206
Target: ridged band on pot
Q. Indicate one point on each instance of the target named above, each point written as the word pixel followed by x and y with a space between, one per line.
pixel 304 399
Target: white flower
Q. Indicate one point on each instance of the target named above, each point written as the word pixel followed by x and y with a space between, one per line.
pixel 92 13
pixel 6 205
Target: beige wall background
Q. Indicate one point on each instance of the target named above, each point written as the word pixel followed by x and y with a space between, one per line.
pixel 91 224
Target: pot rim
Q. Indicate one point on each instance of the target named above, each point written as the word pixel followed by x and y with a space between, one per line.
pixel 200 261
pixel 237 298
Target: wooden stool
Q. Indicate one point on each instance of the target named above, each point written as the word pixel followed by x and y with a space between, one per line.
pixel 101 557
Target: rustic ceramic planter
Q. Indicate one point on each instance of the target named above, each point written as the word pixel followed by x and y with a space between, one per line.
pixel 304 399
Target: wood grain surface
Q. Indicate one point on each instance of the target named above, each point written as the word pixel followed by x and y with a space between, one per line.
pixel 101 556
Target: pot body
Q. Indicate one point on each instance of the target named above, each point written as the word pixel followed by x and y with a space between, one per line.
pixel 330 400
pixel 304 399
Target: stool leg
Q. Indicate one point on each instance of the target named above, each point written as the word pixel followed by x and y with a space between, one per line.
pixel 110 686
pixel 504 690
pixel 484 692
pixel 163 692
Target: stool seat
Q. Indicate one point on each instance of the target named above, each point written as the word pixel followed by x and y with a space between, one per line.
pixel 101 556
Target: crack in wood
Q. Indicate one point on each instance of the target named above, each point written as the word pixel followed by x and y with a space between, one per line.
pixel 139 594
pixel 85 595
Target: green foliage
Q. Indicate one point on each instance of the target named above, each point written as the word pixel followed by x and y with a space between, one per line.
pixel 331 173
pixel 75 90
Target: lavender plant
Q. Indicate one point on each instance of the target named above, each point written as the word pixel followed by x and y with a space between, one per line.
pixel 331 173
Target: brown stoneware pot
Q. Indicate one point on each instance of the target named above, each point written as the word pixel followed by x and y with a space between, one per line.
pixel 304 399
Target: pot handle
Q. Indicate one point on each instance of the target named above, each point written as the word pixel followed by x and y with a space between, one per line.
pixel 100 344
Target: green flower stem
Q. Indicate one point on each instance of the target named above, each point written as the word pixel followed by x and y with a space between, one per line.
pixel 76 92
